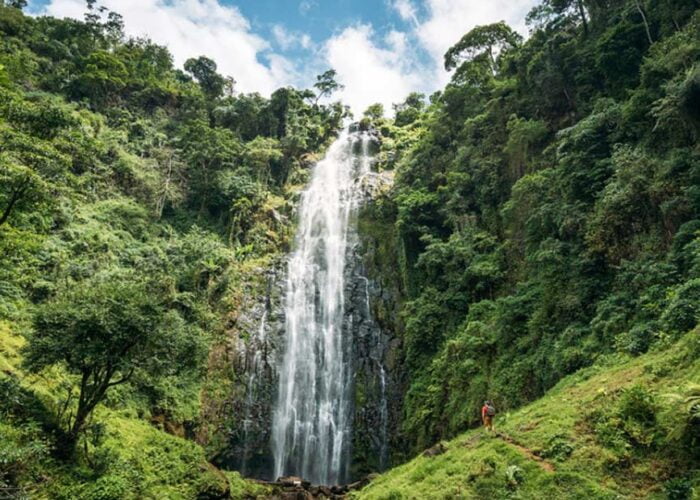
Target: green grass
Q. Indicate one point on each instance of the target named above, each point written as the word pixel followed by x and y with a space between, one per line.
pixel 132 460
pixel 561 427
pixel 10 344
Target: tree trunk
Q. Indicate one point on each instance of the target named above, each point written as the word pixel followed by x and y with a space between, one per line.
pixel 644 19
pixel 582 13
pixel 160 204
pixel 90 395
pixel 203 201
pixel 492 61
pixel 16 195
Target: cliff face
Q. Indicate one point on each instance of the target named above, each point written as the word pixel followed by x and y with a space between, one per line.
pixel 374 351
pixel 377 260
pixel 242 376
pixel 238 400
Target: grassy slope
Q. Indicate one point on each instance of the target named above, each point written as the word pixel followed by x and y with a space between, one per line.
pixel 477 464
pixel 133 460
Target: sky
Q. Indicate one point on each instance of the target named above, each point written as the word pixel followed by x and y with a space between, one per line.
pixel 381 49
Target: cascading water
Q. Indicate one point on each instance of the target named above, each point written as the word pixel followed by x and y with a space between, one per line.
pixel 254 386
pixel 312 421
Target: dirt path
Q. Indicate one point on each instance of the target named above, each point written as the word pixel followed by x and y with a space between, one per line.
pixel 528 453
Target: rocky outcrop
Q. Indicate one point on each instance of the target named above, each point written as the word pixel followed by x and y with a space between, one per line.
pixel 242 378
pixel 296 488
pixel 374 302
pixel 434 451
pixel 379 260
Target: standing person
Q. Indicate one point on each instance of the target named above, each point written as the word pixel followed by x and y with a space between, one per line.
pixel 488 412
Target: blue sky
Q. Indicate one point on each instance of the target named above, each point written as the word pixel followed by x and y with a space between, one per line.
pixel 381 49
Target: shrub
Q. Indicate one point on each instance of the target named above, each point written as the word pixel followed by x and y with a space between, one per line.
pixel 627 425
pixel 514 476
pixel 558 449
pixel 683 310
pixel 684 409
pixel 638 408
pixel 678 489
pixel 637 340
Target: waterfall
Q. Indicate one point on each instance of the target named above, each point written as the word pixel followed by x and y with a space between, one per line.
pixel 258 346
pixel 312 420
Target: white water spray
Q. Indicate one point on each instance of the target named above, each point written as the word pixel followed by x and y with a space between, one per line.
pixel 312 422
pixel 254 384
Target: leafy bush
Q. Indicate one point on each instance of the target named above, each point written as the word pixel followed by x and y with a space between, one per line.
pixel 514 476
pixel 683 310
pixel 684 414
pixel 638 408
pixel 558 448
pixel 627 424
pixel 678 489
pixel 23 448
pixel 637 340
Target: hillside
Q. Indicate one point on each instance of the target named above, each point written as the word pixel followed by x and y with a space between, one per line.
pixel 543 220
pixel 544 211
pixel 622 428
pixel 125 455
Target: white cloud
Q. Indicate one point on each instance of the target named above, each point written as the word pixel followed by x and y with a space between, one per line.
pixel 406 10
pixel 190 28
pixel 305 41
pixel 288 40
pixel 370 73
pixel 387 72
pixel 374 67
pixel 397 42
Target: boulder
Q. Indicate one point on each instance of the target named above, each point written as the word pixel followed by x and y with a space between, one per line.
pixel 293 481
pixel 434 451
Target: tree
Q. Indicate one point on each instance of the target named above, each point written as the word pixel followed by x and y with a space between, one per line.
pixel 20 183
pixel 204 71
pixel 260 155
pixel 207 151
pixel 30 168
pixel 408 111
pixel 104 75
pixel 326 84
pixel 374 112
pixel 486 40
pixel 17 4
pixel 562 6
pixel 104 330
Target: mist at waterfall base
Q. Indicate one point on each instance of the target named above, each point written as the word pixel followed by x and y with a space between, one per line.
pixel 312 421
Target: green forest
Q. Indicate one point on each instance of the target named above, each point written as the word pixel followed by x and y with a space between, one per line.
pixel 540 239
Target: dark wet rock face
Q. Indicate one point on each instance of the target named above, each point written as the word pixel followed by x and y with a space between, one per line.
pixel 372 382
pixel 240 425
pixel 242 436
pixel 378 260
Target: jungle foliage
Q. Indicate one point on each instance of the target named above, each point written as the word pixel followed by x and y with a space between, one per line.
pixel 546 205
pixel 132 195
pixel 545 217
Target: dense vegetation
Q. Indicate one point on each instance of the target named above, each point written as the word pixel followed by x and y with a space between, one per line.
pixel 546 209
pixel 608 431
pixel 543 228
pixel 132 197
